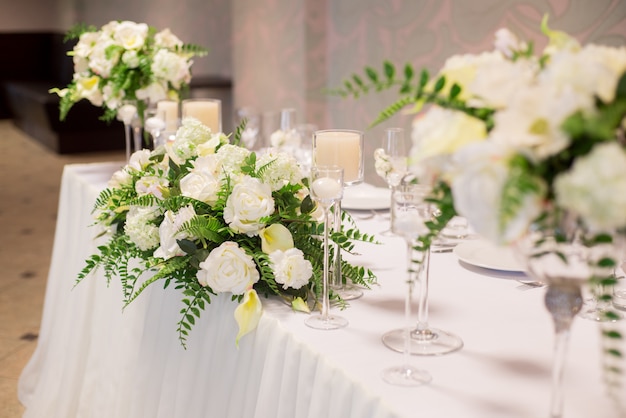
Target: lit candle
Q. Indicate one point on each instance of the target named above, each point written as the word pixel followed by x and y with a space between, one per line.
pixel 206 111
pixel 167 111
pixel 341 148
pixel 325 188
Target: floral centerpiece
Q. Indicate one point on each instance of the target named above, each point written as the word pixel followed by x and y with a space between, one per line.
pixel 208 216
pixel 522 143
pixel 126 61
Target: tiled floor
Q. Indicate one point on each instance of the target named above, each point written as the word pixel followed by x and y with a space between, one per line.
pixel 30 176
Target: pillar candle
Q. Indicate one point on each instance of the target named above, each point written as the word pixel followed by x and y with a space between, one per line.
pixel 206 111
pixel 341 148
pixel 167 110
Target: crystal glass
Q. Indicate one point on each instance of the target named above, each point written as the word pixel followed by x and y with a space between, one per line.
pixel 559 256
pixel 207 111
pixel 250 135
pixel 423 339
pixel 155 126
pixel 409 223
pixel 344 148
pixel 326 190
pixel 394 148
pixel 304 153
pixel 169 112
pixel 129 115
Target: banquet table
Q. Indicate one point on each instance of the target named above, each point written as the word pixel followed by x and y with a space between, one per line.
pixel 96 359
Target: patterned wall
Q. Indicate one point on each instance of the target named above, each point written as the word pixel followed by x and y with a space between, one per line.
pixel 341 37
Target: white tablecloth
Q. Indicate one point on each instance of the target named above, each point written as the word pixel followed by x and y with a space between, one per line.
pixel 95 360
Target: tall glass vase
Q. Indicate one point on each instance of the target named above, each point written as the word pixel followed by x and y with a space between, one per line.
pixel 566 259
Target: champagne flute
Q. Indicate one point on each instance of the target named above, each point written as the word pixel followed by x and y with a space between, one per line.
pixel 326 190
pixel 394 161
pixel 423 339
pixel 344 148
pixel 412 213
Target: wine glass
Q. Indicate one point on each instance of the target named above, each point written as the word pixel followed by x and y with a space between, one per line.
pixel 412 213
pixel 391 163
pixel 423 339
pixel 326 190
pixel 344 148
pixel 250 134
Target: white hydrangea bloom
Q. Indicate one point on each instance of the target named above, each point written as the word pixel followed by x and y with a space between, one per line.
pixel 283 170
pixel 171 67
pixel 595 187
pixel 140 227
pixel 231 157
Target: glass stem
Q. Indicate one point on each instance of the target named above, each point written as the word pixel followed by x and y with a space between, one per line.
pixel 422 309
pixel 137 137
pixel 127 133
pixel 337 279
pixel 563 302
pixel 407 303
pixel 325 295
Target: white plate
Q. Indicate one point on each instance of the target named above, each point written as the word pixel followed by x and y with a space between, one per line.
pixel 481 253
pixel 366 197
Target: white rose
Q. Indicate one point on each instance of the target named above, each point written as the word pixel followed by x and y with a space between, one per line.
pixel 166 39
pixel 153 92
pixel 85 44
pixel 595 187
pixel 169 232
pixel 228 269
pixel 118 179
pixel 437 135
pixel 203 182
pixel 139 160
pixel 249 201
pixel 507 43
pixel 532 122
pixel 290 268
pixel 131 35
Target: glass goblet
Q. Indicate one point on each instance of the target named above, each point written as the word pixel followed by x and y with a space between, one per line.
pixel 412 213
pixel 344 148
pixel 423 339
pixel 326 189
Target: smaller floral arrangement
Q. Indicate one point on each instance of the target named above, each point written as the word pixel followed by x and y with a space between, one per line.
pixel 208 216
pixel 126 61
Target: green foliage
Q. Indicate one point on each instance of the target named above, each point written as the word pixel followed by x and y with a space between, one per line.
pixel 412 91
